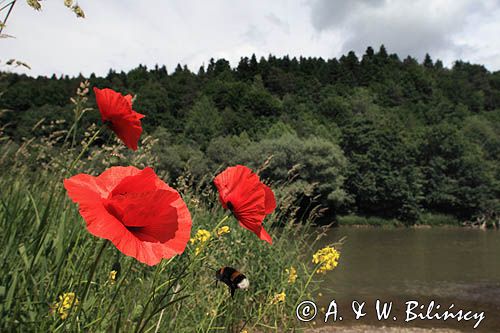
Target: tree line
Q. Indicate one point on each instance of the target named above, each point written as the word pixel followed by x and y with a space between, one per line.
pixel 373 135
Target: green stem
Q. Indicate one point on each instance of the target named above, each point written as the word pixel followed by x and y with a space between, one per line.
pixel 73 127
pixel 75 130
pixel 93 269
pixel 308 282
pixel 91 275
pixel 220 223
pixel 264 312
pixel 118 287
pixel 213 232
pixel 141 323
pixel 85 148
pixel 152 293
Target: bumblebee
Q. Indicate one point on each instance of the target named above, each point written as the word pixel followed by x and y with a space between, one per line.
pixel 232 278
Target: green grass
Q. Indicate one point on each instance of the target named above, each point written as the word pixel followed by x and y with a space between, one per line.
pixel 437 219
pixel 428 219
pixel 355 220
pixel 46 251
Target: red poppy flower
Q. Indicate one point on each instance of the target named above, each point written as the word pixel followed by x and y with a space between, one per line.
pixel 241 191
pixel 117 109
pixel 140 214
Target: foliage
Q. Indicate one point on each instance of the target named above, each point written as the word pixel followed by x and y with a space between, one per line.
pixel 414 138
pixel 437 219
pixel 46 253
pixel 356 220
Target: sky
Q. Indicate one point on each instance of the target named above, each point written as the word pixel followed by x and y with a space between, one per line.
pixel 121 34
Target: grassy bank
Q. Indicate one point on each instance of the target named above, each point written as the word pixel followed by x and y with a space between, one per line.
pixel 427 219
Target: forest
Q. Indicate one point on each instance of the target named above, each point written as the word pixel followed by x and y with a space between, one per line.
pixel 371 136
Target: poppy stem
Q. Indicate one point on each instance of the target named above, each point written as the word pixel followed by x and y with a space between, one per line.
pixel 118 287
pixel 152 293
pixel 91 275
pixel 85 148
pixel 220 223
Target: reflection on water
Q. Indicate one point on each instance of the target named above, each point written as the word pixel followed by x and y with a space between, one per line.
pixel 448 265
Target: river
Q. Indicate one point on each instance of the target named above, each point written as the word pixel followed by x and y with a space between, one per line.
pixel 447 265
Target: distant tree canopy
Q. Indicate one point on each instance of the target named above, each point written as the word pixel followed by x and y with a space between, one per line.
pixel 374 134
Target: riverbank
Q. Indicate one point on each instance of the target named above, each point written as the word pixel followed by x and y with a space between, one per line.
pixel 426 220
pixel 375 329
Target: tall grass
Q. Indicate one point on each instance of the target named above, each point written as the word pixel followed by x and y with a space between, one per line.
pixel 47 252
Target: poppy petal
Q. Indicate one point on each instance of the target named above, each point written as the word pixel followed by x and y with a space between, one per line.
pixel 128 129
pixel 140 214
pixel 117 109
pixel 110 178
pixel 142 181
pixel 253 222
pixel 270 200
pixel 129 98
pixel 83 188
pixel 111 103
pixel 236 183
pixel 265 236
pixel 249 199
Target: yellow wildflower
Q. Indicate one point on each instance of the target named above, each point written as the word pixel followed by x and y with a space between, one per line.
pixel 292 274
pixel 197 250
pixel 112 276
pixel 223 230
pixel 195 202
pixel 63 306
pixel 201 236
pixel 278 298
pixel 327 258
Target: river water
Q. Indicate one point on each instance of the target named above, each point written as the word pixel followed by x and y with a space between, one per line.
pixel 447 265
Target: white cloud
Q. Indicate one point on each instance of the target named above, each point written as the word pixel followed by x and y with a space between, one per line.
pixel 121 34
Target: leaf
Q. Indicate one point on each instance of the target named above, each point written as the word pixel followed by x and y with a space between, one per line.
pixel 23 64
pixel 24 256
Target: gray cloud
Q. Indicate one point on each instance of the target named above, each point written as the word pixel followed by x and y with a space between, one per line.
pixel 407 28
pixel 278 22
pixel 332 13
